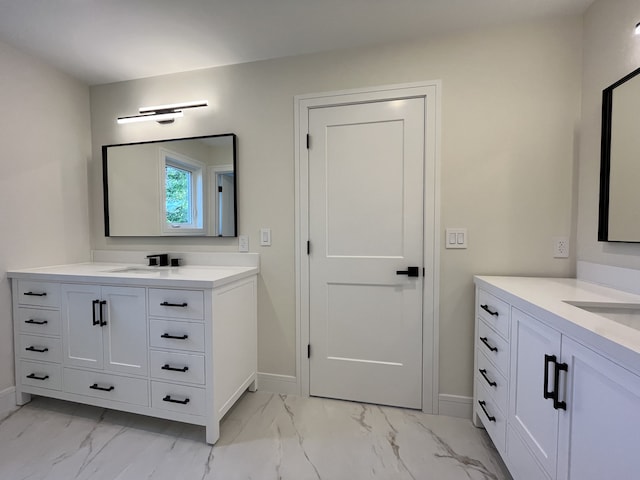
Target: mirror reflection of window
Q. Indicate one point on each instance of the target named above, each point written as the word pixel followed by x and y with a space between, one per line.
pixel 182 188
pixel 178 201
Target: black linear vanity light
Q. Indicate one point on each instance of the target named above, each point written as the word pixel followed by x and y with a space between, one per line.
pixel 162 113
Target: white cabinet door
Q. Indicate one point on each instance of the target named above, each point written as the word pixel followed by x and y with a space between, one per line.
pixel 105 328
pixel 599 433
pixel 532 415
pixel 124 330
pixel 82 335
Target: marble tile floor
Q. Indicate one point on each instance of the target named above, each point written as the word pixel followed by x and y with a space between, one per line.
pixel 265 436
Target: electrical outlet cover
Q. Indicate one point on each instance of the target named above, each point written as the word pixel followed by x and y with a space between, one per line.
pixel 560 247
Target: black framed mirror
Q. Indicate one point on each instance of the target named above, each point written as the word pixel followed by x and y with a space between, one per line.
pixel 174 187
pixel 619 210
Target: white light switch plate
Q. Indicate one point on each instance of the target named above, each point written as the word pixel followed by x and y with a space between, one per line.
pixel 243 243
pixel 455 238
pixel 265 237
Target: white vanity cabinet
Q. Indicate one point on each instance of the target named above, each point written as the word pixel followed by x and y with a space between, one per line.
pixel 178 344
pixel 573 397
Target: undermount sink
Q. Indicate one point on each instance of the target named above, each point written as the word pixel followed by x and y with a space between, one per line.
pixel 624 313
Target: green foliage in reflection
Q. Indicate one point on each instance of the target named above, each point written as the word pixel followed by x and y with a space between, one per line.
pixel 178 184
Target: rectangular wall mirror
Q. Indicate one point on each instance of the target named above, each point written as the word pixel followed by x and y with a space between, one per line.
pixel 177 187
pixel 619 219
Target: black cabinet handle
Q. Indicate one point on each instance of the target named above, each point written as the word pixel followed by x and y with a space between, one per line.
pixel 36 322
pixel 104 389
pixel 166 335
pixel 102 321
pixel 557 404
pixel 167 304
pixel 546 393
pixel 36 377
pixel 485 340
pixel 169 399
pixel 484 409
pixel 483 372
pixel 489 311
pixel 33 294
pixel 410 272
pixel 166 366
pixel 93 307
pixel 39 350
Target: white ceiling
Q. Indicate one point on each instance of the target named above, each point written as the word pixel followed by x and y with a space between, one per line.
pixel 102 41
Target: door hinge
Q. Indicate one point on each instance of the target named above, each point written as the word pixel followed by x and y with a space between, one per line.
pixel 220 189
pixel 308 247
pixel 424 271
pixel 308 141
pixel 308 350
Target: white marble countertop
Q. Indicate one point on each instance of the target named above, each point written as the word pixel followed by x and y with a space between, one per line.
pixel 548 297
pixel 191 276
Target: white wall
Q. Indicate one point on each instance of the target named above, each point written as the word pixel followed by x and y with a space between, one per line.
pixel 611 51
pixel 510 109
pixel 45 144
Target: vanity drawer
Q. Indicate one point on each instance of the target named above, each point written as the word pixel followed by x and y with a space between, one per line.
pixel 43 375
pixel 176 335
pixel 178 398
pixel 45 349
pixel 495 312
pixel 187 304
pixel 488 375
pixel 38 321
pixel 40 294
pixel 494 347
pixel 107 386
pixel 177 367
pixel 494 421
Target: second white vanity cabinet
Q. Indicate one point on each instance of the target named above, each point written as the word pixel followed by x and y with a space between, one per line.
pixel 573 396
pixel 179 344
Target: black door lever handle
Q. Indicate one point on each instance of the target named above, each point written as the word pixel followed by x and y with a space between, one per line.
pixel 410 272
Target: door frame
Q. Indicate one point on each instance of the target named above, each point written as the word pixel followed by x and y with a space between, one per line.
pixel 431 92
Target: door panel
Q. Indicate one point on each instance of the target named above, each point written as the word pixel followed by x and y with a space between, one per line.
pixel 533 416
pixel 599 431
pixel 125 334
pixel 366 174
pixel 82 340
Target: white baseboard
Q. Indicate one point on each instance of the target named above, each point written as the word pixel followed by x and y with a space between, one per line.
pixel 285 384
pixel 7 400
pixel 455 406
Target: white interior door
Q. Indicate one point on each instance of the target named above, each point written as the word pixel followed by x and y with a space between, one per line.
pixel 366 189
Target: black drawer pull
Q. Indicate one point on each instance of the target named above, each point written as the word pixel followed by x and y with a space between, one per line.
pixel 93 307
pixel 36 377
pixel 39 350
pixel 166 366
pixel 167 304
pixel 166 335
pixel 483 372
pixel 169 399
pixel 484 409
pixel 546 393
pixel 485 340
pixel 557 404
pixel 36 322
pixel 33 294
pixel 104 389
pixel 489 311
